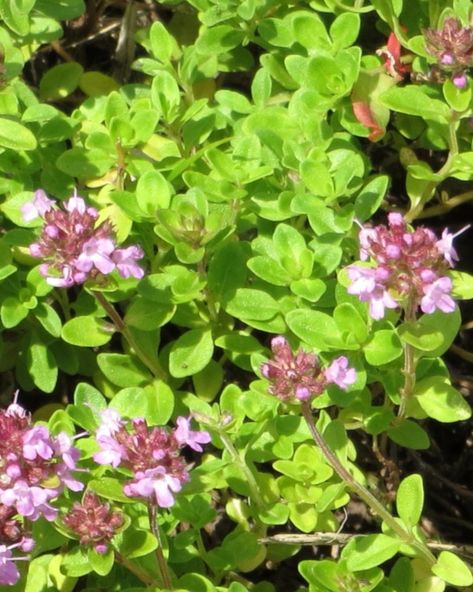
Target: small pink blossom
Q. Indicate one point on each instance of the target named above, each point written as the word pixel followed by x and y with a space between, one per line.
pixel 38 207
pixel 9 574
pixel 30 501
pixel 187 437
pixel 37 442
pixel 155 484
pixel 340 373
pixel 437 295
pixel 126 261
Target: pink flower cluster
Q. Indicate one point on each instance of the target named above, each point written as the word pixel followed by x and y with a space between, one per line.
pixel 34 468
pixel 73 247
pixel 409 268
pixel 152 454
pixel 300 375
pixel 93 522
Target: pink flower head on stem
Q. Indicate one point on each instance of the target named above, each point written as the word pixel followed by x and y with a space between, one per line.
pixel 408 268
pixel 34 468
pixel 74 247
pixel 152 454
pixel 300 376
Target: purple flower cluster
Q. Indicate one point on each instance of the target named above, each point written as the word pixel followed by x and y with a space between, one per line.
pixel 300 375
pixel 453 47
pixel 73 246
pixel 152 454
pixel 34 468
pixel 93 522
pixel 409 268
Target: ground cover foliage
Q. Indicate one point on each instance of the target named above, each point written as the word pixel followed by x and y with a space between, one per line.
pixel 226 288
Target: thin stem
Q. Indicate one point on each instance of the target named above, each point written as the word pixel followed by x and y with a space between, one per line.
pixel 163 566
pixel 409 370
pixel 61 297
pixel 152 364
pixel 413 213
pixel 446 206
pixel 375 505
pixel 137 571
pixel 252 484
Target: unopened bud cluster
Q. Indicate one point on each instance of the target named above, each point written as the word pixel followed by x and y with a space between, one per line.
pixel 408 268
pixel 93 522
pixel 300 375
pixel 73 247
pixel 152 454
pixel 453 47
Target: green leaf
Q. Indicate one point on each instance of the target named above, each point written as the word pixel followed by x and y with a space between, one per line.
pixel 61 10
pixel 137 543
pixel 217 40
pixel 165 95
pixel 410 435
pixel 97 84
pixel 410 500
pixel 345 29
pixel 316 328
pixel 350 321
pixel 152 192
pixel 162 44
pixel 441 401
pixel 247 303
pixel 458 98
pixel 370 197
pixel 148 315
pixel 75 562
pixel 49 319
pixel 15 136
pixel 261 87
pixel 12 312
pixel 155 402
pixel 123 370
pixel 101 563
pixel 191 352
pixel 86 394
pixel 15 13
pixel 60 81
pixel 415 100
pixel 309 30
pixel 462 288
pixel 420 336
pixel 365 552
pixel 452 569
pixel 110 488
pixel 446 323
pixel 87 331
pixel 383 347
pixel 41 364
pixel 82 163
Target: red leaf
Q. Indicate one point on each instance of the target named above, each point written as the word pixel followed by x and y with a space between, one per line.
pixel 365 116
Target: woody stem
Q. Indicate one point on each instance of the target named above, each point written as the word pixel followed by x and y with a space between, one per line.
pixel 370 500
